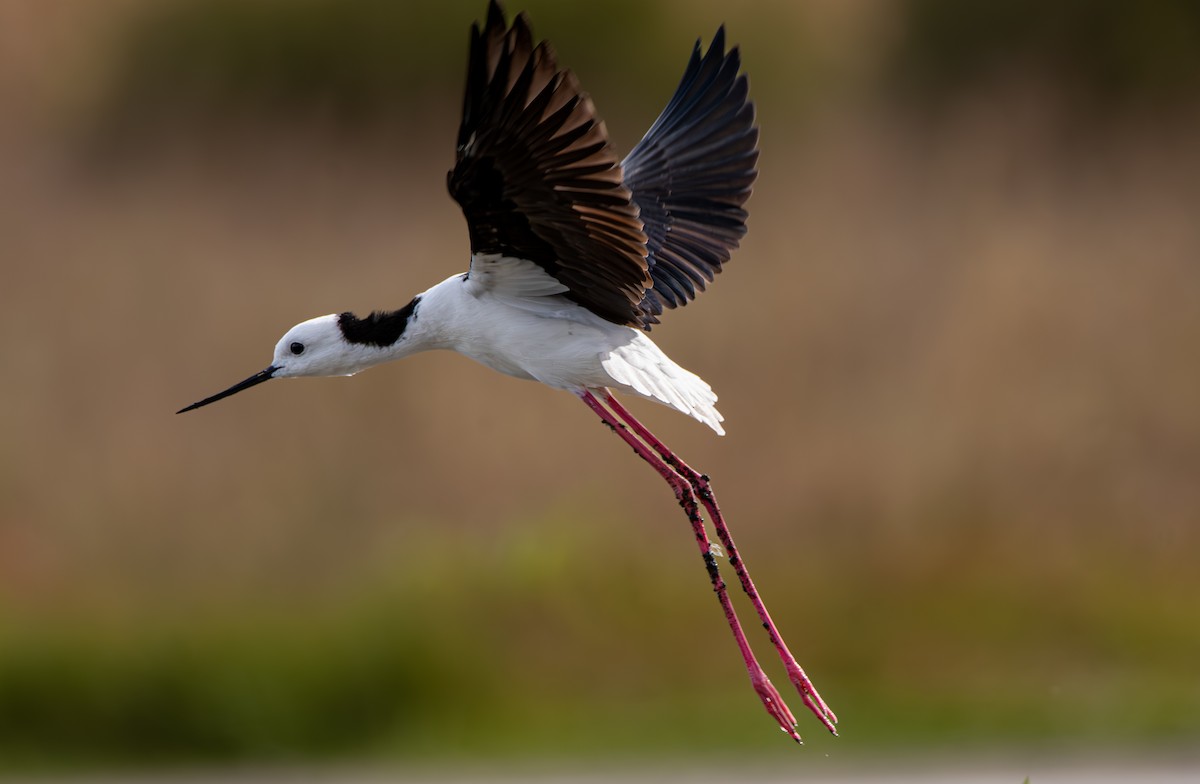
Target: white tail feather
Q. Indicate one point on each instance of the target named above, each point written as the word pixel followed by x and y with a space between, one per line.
pixel 642 368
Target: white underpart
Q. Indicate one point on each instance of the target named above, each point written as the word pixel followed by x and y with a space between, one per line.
pixel 641 367
pixel 509 315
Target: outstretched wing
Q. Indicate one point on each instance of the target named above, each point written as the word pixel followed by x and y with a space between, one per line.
pixel 690 175
pixel 537 178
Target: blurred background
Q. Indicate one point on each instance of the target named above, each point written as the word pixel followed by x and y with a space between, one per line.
pixel 958 354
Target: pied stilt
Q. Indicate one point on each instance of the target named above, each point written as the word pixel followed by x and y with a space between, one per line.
pixel 574 256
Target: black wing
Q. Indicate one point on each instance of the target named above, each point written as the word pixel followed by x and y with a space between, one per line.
pixel 690 175
pixel 537 178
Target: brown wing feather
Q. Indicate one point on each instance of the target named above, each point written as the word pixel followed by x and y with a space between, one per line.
pixel 537 178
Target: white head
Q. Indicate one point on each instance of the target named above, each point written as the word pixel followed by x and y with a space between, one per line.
pixel 317 347
pixel 339 344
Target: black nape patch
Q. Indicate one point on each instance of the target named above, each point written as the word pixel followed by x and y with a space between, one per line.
pixel 380 329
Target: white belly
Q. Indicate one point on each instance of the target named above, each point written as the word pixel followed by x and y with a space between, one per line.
pixel 558 352
pixel 552 340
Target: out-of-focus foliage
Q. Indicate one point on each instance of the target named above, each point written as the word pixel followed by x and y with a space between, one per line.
pixel 1098 50
pixel 350 61
pixel 958 369
pixel 539 649
pixel 357 61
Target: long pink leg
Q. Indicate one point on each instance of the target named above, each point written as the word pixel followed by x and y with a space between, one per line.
pixel 700 484
pixel 766 691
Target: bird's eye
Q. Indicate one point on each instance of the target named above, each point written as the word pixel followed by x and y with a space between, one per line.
pixel 297 348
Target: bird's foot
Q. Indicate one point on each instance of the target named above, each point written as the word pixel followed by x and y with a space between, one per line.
pixel 811 698
pixel 775 705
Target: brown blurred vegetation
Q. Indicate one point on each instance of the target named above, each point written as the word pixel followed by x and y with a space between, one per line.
pixel 957 354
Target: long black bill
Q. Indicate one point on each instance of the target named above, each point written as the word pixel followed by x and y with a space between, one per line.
pixel 257 378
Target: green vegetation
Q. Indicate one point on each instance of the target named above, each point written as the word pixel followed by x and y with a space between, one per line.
pixel 356 62
pixel 550 651
pixel 350 61
pixel 1102 51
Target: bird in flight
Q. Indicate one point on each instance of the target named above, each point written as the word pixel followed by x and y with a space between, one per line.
pixel 575 255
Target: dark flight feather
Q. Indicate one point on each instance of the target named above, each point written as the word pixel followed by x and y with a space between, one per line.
pixel 537 178
pixel 691 174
